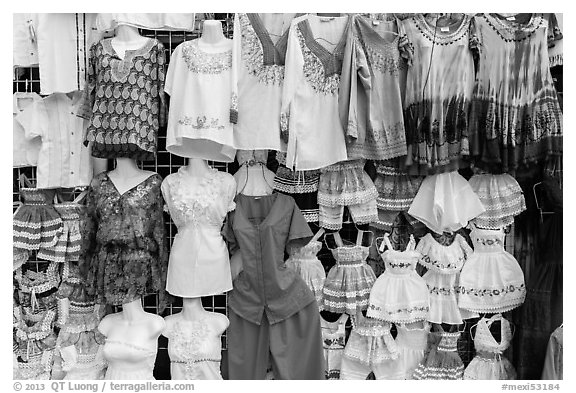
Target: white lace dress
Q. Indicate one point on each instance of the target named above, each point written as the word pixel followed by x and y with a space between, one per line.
pixel 199 263
pixel 195 349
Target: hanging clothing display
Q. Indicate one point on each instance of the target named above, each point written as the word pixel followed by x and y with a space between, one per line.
pixel 124 100
pixel 194 349
pixel 371 110
pixel 489 363
pixel 502 197
pixel 150 21
pixel 124 252
pixel 444 263
pixel 439 88
pixel 300 185
pixel 258 66
pixel 442 362
pixel 199 82
pixel 333 339
pixel 346 184
pixel 62 161
pixel 349 281
pixel 199 263
pixel 299 169
pixel 399 295
pixel 25 150
pixel 521 122
pixel 368 349
pixel 445 203
pixel 311 86
pixel 491 280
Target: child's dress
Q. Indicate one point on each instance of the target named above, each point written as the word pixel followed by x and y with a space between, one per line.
pixel 36 224
pixel 333 341
pixel 304 261
pixel 349 281
pixel 489 363
pixel 399 295
pixel 444 263
pixel 370 347
pixel 443 361
pixel 491 281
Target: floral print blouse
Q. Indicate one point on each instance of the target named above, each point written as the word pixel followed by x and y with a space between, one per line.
pixel 124 254
pixel 124 100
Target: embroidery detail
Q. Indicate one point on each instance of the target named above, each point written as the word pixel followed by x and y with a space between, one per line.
pixel 202 62
pixel 314 70
pixel 386 59
pixel 253 56
pixel 234 108
pixel 492 292
pixel 441 39
pixel 201 123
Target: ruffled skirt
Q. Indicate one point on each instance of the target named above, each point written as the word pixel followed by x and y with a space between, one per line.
pixel 345 184
pixel 67 248
pixel 347 288
pixel 491 283
pixel 35 227
pixel 399 298
pixel 493 368
pixel 440 365
pixel 303 187
pixel 313 274
pixel 502 197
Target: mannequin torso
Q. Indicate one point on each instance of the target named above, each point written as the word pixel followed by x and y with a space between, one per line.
pixel 127 38
pixel 131 341
pixel 213 36
pixel 194 343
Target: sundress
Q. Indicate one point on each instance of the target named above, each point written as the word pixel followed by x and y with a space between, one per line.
pixel 443 361
pixel 491 281
pixel 399 295
pixel 489 362
pixel 439 89
pixel 515 118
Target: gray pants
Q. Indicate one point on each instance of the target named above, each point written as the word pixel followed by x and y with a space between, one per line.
pixel 293 346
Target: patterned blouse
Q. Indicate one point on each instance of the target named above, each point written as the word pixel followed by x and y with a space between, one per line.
pixel 124 253
pixel 124 100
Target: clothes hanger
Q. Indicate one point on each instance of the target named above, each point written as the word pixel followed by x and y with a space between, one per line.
pixel 254 163
pixel 538 205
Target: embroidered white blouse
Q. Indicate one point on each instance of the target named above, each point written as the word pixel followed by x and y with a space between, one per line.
pixel 25 151
pixel 199 83
pixel 309 117
pixel 63 160
pixel 258 70
pixel 152 21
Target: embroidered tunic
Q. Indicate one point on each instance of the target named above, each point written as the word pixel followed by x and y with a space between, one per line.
pixel 124 100
pixel 373 78
pixel 439 88
pixel 516 118
pixel 309 118
pixel 199 83
pixel 258 67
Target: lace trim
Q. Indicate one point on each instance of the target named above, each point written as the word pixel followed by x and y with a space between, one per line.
pixel 37 225
pixel 253 56
pixel 347 198
pixel 314 70
pixel 202 62
pixel 412 314
pixel 39 330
